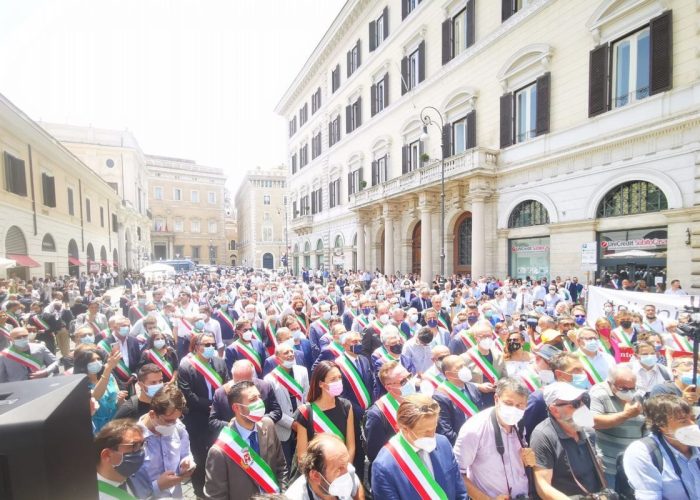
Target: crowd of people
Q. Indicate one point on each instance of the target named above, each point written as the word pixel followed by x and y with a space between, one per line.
pixel 254 385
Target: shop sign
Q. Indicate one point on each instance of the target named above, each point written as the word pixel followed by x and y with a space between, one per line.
pixel 640 243
pixel 529 248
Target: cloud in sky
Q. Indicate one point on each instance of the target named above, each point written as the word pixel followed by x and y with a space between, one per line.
pixel 197 79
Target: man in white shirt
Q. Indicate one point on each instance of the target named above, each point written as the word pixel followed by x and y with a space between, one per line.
pixel 649 372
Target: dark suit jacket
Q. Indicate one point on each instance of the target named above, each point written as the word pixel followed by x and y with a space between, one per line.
pixel 305 348
pixel 232 355
pixel 365 371
pixel 378 431
pixel 226 480
pixel 271 362
pixel 390 483
pixel 194 387
pixel 134 348
pixel 452 418
pixel 221 413
pixel 371 340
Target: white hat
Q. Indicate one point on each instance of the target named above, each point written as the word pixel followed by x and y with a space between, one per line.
pixel 561 391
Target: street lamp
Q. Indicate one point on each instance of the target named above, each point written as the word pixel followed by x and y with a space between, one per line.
pixel 427 120
pixel 286 236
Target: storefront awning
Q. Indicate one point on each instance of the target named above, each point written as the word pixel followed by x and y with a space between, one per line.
pixel 23 260
pixel 74 261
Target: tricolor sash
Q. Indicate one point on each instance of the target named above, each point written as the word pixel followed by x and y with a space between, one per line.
pixel 442 322
pixel 385 355
pixel 531 380
pixel 414 469
pixel 435 380
pixel 138 311
pixel 336 349
pixel 377 325
pixel 681 344
pixel 188 328
pixel 388 405
pixel 121 369
pixel 22 358
pixel 161 362
pixel 5 333
pixel 40 324
pixel 625 340
pixel 323 327
pixel 238 450
pixel 206 371
pixel 113 491
pixel 459 398
pixel 321 422
pixel 593 375
pixel 227 319
pixel 467 339
pixel 271 333
pixel 249 353
pixel 362 321
pixel 257 332
pixel 484 365
pixel 500 345
pixel 288 382
pixel 357 385
pixel 95 327
pixel 302 323
pixel 12 319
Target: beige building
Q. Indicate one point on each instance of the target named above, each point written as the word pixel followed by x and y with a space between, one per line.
pixel 569 132
pixel 187 201
pixel 260 207
pixel 58 216
pixel 116 157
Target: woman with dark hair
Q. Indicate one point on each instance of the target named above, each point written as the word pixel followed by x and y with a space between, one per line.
pixel 87 360
pixel 518 360
pixel 665 464
pixel 324 410
pixel 161 354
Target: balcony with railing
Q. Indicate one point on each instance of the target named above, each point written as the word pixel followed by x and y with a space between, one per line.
pixel 302 224
pixel 476 160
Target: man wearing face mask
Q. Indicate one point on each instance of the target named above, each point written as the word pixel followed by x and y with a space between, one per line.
pixel 458 397
pixel 326 472
pixel 664 464
pixel 120 455
pixel 137 310
pixel 496 475
pixel 227 317
pixel 596 363
pixel 371 335
pixel 290 383
pixel 417 463
pixel 283 336
pixel 682 384
pixel 167 444
pixel 441 336
pixel 247 457
pixel 647 368
pixel 485 361
pixel 246 346
pixel 391 349
pixel 301 343
pixel 130 348
pixel 564 445
pixel 320 327
pixel 617 414
pixel 24 360
pixel 418 349
pixel 150 381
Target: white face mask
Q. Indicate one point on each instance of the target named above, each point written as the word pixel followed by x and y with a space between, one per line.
pixel 288 364
pixel 583 417
pixel 427 444
pixel 250 316
pixel 688 435
pixel 465 374
pixel 384 318
pixel 165 430
pixel 486 344
pixel 247 335
pixel 625 395
pixel 342 486
pixel 546 376
pixel 326 315
pixel 510 415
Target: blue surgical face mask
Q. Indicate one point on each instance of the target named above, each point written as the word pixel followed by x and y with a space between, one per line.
pixel 131 463
pixel 592 345
pixel 366 310
pixel 124 331
pixel 687 378
pixel 357 349
pixel 539 309
pixel 432 323
pixel 159 344
pixel 88 339
pixel 648 360
pixel 209 352
pixel 408 388
pixel 94 367
pixel 580 380
pixel 580 320
pixel 472 319
pixel 199 324
pixel 152 389
pixel 21 343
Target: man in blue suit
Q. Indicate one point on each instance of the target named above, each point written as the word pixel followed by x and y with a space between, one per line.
pixel 435 471
pixel 283 335
pixel 452 416
pixel 301 343
pixel 246 346
pixel 422 302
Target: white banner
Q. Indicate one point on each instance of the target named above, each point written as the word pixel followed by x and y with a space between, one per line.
pixel 667 306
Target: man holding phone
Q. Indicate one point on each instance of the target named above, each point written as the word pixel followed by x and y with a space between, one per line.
pixel 130 349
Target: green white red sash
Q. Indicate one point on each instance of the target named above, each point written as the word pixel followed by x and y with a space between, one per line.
pixel 414 469
pixel 113 491
pixel 362 321
pixel 531 380
pixel 377 325
pixel 188 328
pixel 593 375
pixel 287 381
pixel 12 319
pixel 121 369
pixel 5 333
pixel 95 327
pixel 388 405
pixel 321 422
pixel 681 344
pixel 385 355
pixel 206 371
pixel 435 380
pixel 321 325
pixel 442 322
pixel 500 345
pixel 358 387
pixel 257 332
pixel 467 339
pixel 250 354
pixel 271 333
pixel 484 365
pixel 625 340
pixel 227 319
pixel 138 311
pixel 22 358
pixel 459 398
pixel 302 323
pixel 161 362
pixel 336 349
pixel 40 324
pixel 238 450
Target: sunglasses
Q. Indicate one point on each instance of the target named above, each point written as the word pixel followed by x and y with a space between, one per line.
pixel 209 344
pixel 575 404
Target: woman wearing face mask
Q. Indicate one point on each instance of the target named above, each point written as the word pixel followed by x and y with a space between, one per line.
pixel 325 411
pixel 602 326
pixel 102 383
pixel 624 336
pixel 664 465
pixel 162 355
pixel 417 463
pixel 516 358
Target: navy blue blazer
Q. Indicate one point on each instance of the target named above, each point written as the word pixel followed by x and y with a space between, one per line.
pixel 304 347
pixel 326 355
pixel 226 331
pixel 271 362
pixel 232 355
pixel 390 483
pixel 365 372
pixel 452 418
pixel 378 431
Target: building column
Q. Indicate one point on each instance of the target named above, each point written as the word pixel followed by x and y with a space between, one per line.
pixel 360 245
pixel 478 242
pixel 171 250
pixel 426 244
pixel 388 240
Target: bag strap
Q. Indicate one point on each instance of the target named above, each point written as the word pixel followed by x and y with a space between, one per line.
pixel 676 467
pixel 497 434
pixel 654 452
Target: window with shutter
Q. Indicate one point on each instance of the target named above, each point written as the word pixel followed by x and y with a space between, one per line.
pixel 15 178
pixel 506 120
pixel 48 184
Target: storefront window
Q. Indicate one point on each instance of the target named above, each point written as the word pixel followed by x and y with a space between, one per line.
pixel 635 254
pixel 529 257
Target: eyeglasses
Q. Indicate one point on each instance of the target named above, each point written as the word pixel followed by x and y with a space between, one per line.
pixel 575 403
pixel 131 447
pixel 209 344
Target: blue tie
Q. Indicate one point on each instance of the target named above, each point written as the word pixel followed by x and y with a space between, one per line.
pixel 254 442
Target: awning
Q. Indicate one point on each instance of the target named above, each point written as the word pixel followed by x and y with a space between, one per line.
pixel 74 261
pixel 105 263
pixel 23 260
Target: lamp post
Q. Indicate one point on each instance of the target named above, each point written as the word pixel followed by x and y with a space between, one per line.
pixel 427 120
pixel 286 235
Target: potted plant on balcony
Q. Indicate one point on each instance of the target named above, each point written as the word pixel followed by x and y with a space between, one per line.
pixel 424 157
pixel 363 184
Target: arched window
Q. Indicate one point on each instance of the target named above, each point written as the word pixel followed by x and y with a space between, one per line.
pixel 338 241
pixel 48 244
pixel 15 242
pixel 464 242
pixel 630 198
pixel 528 213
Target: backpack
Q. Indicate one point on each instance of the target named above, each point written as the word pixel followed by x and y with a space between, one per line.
pixel 622 485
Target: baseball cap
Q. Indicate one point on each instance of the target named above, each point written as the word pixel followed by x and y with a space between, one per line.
pixel 549 335
pixel 547 351
pixel 561 391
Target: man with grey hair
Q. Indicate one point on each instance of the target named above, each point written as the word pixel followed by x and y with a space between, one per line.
pixel 485 361
pixel 617 415
pixel 502 474
pixel 390 350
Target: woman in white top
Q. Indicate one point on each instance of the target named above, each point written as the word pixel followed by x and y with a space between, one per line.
pixel 517 359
